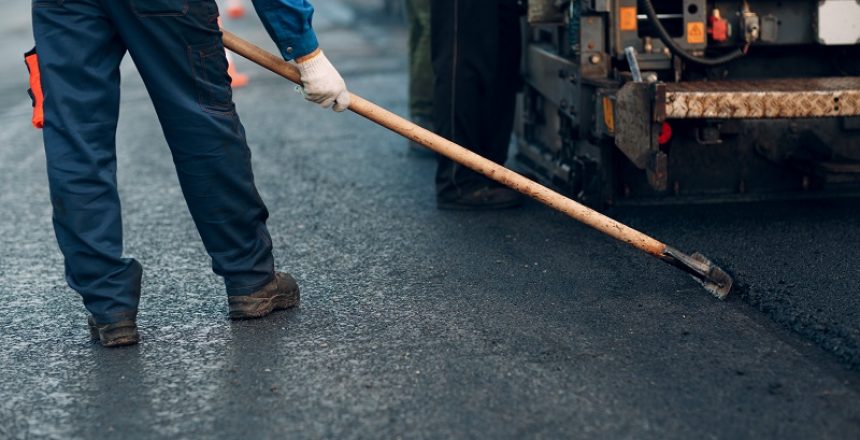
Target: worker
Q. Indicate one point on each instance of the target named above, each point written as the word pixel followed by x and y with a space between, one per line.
pixel 420 68
pixel 178 50
pixel 476 53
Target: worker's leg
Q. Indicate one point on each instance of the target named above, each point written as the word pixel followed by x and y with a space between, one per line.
pixel 79 55
pixel 177 48
pixel 420 67
pixel 464 47
pixel 498 111
pixel 466 52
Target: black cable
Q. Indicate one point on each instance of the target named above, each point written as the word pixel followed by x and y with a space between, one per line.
pixel 678 50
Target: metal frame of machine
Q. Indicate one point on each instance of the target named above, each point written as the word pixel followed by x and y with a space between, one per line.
pixel 692 100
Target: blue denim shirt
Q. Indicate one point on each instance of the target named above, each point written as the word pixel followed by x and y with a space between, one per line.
pixel 289 24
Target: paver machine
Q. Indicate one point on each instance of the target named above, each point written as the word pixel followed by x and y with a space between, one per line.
pixel 692 100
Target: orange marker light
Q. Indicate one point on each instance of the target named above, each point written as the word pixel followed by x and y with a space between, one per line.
pixel 665 134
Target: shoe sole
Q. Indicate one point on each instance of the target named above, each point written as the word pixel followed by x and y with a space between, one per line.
pixel 251 308
pixel 115 337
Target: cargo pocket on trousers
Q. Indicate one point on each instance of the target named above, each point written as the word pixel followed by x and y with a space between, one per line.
pixel 159 8
pixel 209 64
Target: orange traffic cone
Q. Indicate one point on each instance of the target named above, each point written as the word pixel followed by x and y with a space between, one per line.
pixel 238 79
pixel 235 9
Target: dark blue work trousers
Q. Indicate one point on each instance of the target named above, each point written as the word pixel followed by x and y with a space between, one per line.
pixel 177 48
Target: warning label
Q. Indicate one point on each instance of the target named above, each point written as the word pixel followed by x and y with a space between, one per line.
pixel 627 18
pixel 696 32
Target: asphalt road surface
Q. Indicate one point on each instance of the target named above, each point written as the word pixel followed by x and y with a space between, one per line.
pixel 415 323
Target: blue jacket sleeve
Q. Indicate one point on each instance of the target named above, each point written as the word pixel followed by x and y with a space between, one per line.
pixel 289 24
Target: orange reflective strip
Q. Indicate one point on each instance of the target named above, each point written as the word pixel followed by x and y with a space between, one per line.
pixel 32 60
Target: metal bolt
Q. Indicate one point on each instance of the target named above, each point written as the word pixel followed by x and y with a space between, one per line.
pixel 648 46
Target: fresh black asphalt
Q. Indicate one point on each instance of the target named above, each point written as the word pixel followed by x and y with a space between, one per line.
pixel 417 323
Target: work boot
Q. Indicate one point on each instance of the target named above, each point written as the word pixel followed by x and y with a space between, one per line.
pixel 484 197
pixel 117 334
pixel 281 293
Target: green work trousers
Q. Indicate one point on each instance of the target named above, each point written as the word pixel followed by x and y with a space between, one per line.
pixel 420 68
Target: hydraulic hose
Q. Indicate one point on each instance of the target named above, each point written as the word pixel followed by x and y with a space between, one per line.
pixel 678 50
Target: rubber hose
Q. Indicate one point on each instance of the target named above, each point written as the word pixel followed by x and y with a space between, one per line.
pixel 678 50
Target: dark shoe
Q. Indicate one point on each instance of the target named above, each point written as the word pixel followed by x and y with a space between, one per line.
pixel 117 334
pixel 485 197
pixel 281 293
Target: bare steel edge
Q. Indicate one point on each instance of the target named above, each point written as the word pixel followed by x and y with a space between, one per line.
pixel 714 279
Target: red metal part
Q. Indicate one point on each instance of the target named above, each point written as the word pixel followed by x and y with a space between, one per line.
pixel 718 27
pixel 665 134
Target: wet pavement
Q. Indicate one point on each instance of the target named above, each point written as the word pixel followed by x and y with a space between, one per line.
pixel 417 323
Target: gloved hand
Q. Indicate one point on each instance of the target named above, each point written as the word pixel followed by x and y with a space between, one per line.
pixel 321 82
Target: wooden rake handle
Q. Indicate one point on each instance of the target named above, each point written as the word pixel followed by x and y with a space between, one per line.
pixel 459 154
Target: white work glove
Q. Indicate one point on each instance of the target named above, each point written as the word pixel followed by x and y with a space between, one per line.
pixel 322 84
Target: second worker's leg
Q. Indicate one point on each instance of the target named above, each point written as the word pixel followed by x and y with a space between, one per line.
pixel 176 45
pixel 465 52
pixel 420 70
pixel 80 53
pixel 420 67
pixel 498 111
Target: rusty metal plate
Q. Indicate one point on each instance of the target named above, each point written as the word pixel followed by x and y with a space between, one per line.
pixel 633 123
pixel 784 98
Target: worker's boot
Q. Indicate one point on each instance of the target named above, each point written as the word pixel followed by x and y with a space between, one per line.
pixel 281 293
pixel 483 197
pixel 117 334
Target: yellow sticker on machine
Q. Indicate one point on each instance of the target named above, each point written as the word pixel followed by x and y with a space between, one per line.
pixel 627 18
pixel 696 32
